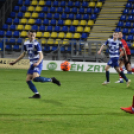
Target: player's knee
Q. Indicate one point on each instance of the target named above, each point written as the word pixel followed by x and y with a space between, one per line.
pixel 36 79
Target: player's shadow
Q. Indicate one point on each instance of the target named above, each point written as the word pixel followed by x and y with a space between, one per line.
pixel 53 102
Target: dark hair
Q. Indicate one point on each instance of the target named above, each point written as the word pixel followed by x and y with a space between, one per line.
pixel 32 31
pixel 115 32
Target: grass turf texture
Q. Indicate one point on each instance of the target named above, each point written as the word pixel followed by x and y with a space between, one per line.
pixel 80 106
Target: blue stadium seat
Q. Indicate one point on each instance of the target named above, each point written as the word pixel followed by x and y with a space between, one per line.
pixel 62 49
pixel 55 4
pixel 123 18
pixel 12 41
pixel 132 12
pixel 74 10
pixel 124 37
pixel 57 29
pixel 69 48
pixel 5 27
pixel 120 24
pixel 63 4
pixel 60 22
pixel 35 27
pixel 84 35
pixel 128 24
pixel 54 48
pixel 53 22
pixel 126 11
pixel 130 18
pixel 42 28
pixel 27 3
pixel 23 9
pixel 12 15
pixel 9 21
pixel 49 29
pixel 48 3
pixel 96 10
pixel 38 22
pixel 118 29
pixel 130 0
pixel 20 3
pixel 45 9
pixel 19 41
pixel 125 31
pixel 89 10
pixel 52 10
pixel 9 34
pixel 47 49
pixel 86 17
pixel 8 47
pixel 81 10
pixel 46 22
pixel 78 16
pixel 130 38
pixel 64 16
pixel 16 34
pixel 56 16
pixel 16 9
pixel 129 5
pixel 93 17
pixel 2 33
pixel 64 29
pixel 16 48
pixel 20 15
pixel 77 4
pixel 41 16
pixel 72 29
pixel 60 10
pixel 85 4
pixel 49 16
pixel 132 51
pixel 12 27
pixel 67 10
pixel 71 16
pixel 70 3
pixel 132 31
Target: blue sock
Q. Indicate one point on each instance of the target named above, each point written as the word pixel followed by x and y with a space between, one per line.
pixel 107 76
pixel 42 79
pixel 123 76
pixel 32 87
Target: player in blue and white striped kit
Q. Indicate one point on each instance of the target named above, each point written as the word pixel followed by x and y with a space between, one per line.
pixel 114 46
pixel 34 51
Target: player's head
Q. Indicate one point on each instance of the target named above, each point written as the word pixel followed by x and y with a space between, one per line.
pixel 115 35
pixel 32 35
pixel 120 35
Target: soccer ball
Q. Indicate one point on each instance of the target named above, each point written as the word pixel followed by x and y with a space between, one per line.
pixel 65 66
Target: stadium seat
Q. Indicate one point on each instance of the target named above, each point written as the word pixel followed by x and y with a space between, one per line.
pixel 38 22
pixel 20 27
pixel 30 9
pixel 92 4
pixel 38 9
pixel 78 16
pixel 34 15
pixel 64 16
pixel 16 9
pixel 132 12
pixel 23 21
pixel 123 18
pixel 9 21
pixel 129 5
pixel 46 22
pixel 61 35
pixel 70 4
pixel 23 9
pixel 11 41
pixel 77 4
pixel 87 30
pixel 27 3
pixel 126 11
pixel 20 2
pixel 16 48
pixel 99 4
pixel 60 10
pixel 83 22
pixel 128 24
pixel 69 36
pixel 39 34
pixel 89 10
pixel 57 29
pixel 27 27
pixel 67 22
pixel 46 34
pixel 49 16
pixel 5 27
pixel 53 22
pixel 45 9
pixel 8 47
pixel 58 41
pixel 86 17
pixel 63 4
pixel 64 29
pixel 9 34
pixel 47 48
pixel 120 24
pixel 12 27
pixel 55 4
pixel 93 17
pixel 66 41
pixel 52 10
pixel 16 34
pixel 84 35
pixel 130 38
pixel 67 10
pixel 54 35
pixel 118 29
pixel 96 10
pixel 79 29
pixel 130 18
pixel 56 16
pixel 60 22
pixel 2 33
pixel 41 16
pixel 49 29
pixel 23 34
pixel 12 15
pixel 34 3
pixel 43 41
pixel 76 36
pixel 27 15
pixel 48 3
pixel 75 22
pixel 42 28
pixel 71 16
pixel 125 31
pixel 35 27
pixel 90 23
pixel 132 31
pixel 31 21
pixel 20 15
pixel 72 29
pixel 81 10
pixel 74 10
pixel 41 3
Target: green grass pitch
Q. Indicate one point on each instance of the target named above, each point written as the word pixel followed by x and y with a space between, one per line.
pixel 80 106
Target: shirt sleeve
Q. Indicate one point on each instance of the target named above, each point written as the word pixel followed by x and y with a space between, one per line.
pixel 38 47
pixel 106 42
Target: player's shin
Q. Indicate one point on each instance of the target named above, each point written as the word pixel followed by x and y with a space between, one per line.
pixel 124 76
pixel 42 79
pixel 107 76
pixel 32 87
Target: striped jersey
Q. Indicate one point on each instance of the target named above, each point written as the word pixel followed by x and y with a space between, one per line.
pixel 114 47
pixel 33 48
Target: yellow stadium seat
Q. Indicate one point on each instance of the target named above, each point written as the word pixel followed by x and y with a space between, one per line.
pixel 90 23
pixel 23 34
pixel 27 15
pixel 54 35
pixel 50 42
pixel 41 3
pixel 46 34
pixel 30 9
pixel 34 15
pixel 99 4
pixel 39 34
pixel 23 21
pixel 92 4
pixel 38 9
pixel 75 22
pixel 67 22
pixel 83 22
pixel 43 41
pixel 79 29
pixel 20 27
pixel 61 35
pixel 27 27
pixel 76 36
pixel 58 41
pixel 87 29
pixel 69 35
pixel 31 21
pixel 66 42
pixel 34 3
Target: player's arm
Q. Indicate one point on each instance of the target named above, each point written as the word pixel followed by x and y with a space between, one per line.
pixel 101 48
pixel 19 58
